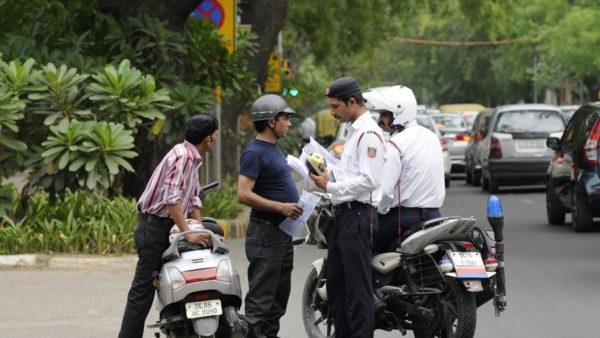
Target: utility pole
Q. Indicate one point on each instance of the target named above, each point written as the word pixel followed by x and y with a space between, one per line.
pixel 535 63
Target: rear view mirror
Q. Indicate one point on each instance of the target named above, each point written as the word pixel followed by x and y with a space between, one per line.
pixel 553 143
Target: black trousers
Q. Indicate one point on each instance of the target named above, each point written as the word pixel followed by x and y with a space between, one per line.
pixel 271 255
pixel 385 237
pixel 349 282
pixel 151 239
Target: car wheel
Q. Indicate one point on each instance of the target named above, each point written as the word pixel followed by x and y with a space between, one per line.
pixel 553 210
pixel 476 177
pixel 581 217
pixel 447 181
pixel 468 174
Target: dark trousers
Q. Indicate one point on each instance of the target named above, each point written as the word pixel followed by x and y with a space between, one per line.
pixel 386 237
pixel 151 239
pixel 349 282
pixel 271 255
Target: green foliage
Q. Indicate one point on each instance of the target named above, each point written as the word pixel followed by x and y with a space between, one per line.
pixel 127 96
pixel 222 203
pixel 60 95
pixel 78 223
pixel 107 149
pixel 7 195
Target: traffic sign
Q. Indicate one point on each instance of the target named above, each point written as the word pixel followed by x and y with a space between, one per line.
pixel 221 13
pixel 273 82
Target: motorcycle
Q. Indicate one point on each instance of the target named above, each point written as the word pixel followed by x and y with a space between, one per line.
pixel 441 272
pixel 198 288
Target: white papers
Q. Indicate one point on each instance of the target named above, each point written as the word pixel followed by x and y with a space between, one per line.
pixel 298 166
pixel 308 202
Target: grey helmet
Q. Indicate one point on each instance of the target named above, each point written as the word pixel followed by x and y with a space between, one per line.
pixel 268 106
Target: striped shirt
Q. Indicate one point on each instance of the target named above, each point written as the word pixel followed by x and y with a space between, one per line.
pixel 174 180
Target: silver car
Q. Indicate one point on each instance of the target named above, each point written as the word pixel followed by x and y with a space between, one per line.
pixel 514 147
pixel 455 131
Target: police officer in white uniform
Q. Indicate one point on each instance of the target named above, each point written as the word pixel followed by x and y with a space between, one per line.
pixel 413 173
pixel 355 193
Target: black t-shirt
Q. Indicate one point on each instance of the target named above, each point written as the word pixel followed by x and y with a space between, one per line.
pixel 266 163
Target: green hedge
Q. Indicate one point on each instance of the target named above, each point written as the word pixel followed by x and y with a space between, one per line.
pixel 89 224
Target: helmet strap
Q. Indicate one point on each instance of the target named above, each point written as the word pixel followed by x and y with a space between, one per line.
pixel 396 128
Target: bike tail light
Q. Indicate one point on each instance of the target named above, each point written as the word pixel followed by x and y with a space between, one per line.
pixel 468 245
pixel 491 264
pixel 177 279
pixel 223 271
pixel 200 275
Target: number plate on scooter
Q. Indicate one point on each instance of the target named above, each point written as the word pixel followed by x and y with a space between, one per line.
pixel 468 265
pixel 203 309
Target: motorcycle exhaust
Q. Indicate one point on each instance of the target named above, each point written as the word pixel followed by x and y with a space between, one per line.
pixel 495 218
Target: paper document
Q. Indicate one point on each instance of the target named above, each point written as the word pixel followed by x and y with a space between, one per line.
pixel 308 202
pixel 298 166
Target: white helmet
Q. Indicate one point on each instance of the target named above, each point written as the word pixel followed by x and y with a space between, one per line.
pixel 398 100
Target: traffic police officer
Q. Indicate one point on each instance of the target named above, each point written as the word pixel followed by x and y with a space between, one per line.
pixel 354 192
pixel 266 185
pixel 413 173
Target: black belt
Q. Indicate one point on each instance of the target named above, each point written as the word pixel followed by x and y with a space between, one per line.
pixel 414 211
pixel 156 219
pixel 339 208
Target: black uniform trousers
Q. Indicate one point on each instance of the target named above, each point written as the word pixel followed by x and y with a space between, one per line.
pixel 385 238
pixel 151 240
pixel 271 255
pixel 349 282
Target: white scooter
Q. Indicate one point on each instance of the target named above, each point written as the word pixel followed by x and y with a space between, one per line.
pixel 199 290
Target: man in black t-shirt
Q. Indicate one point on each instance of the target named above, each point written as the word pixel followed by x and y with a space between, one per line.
pixel 265 184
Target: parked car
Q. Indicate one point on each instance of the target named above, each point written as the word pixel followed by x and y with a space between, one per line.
pixel 514 148
pixel 474 147
pixel 568 112
pixel 455 131
pixel 427 122
pixel 573 176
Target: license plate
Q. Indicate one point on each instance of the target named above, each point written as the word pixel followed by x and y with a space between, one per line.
pixel 203 309
pixel 468 265
pixel 529 144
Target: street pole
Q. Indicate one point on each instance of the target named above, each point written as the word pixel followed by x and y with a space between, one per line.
pixel 216 163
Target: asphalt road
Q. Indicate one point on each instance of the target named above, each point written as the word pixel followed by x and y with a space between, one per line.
pixel 553 281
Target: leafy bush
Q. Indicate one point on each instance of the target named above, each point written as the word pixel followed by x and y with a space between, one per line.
pixel 221 203
pixel 89 224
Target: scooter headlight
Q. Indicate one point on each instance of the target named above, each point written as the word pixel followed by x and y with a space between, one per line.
pixel 223 271
pixel 177 279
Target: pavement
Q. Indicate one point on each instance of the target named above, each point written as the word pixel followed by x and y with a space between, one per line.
pixel 233 229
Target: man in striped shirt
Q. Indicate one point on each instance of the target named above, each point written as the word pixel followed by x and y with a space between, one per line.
pixel 170 196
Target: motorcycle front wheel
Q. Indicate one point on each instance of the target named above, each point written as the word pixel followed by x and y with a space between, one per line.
pixel 460 311
pixel 315 310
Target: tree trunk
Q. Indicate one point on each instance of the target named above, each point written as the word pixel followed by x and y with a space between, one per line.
pixel 266 18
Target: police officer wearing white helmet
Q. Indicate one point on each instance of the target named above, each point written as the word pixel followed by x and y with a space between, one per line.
pixel 266 185
pixel 413 173
pixel 354 194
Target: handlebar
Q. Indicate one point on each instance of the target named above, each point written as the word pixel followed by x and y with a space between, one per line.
pixel 207 188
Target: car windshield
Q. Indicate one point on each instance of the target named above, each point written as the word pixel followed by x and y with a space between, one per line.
pixel 445 121
pixel 547 121
pixel 425 121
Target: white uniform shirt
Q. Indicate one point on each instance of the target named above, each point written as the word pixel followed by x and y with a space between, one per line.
pixel 419 167
pixel 361 163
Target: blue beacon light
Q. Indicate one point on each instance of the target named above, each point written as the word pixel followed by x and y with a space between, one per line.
pixel 494 207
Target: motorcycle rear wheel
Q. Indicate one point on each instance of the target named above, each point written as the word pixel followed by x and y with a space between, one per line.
pixel 315 322
pixel 461 310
